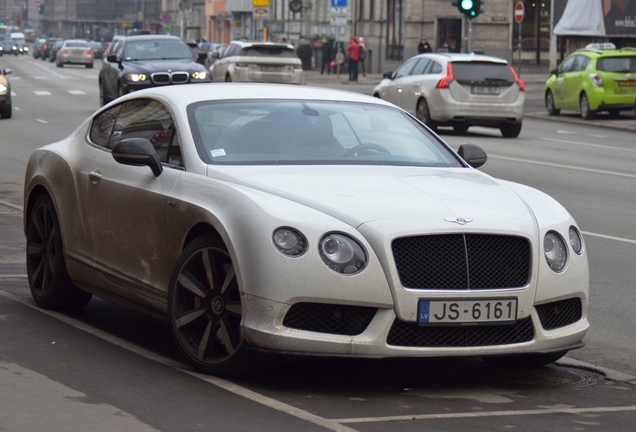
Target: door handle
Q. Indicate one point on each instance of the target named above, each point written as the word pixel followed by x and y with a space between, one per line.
pixel 95 176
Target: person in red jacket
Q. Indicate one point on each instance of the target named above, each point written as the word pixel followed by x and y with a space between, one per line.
pixel 354 58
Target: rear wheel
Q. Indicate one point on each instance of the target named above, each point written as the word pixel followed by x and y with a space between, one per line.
pixel 511 130
pixel 49 281
pixel 549 104
pixel 586 112
pixel 424 114
pixel 205 310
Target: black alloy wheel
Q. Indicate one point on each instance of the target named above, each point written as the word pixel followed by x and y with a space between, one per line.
pixel 49 281
pixel 205 308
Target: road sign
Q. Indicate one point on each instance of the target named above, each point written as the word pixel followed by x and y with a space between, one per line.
pixel 338 3
pixel 519 12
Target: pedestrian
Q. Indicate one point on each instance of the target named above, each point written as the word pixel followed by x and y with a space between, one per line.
pixel 340 60
pixel 354 58
pixel 327 57
pixel 424 47
pixel 443 48
pixel 363 54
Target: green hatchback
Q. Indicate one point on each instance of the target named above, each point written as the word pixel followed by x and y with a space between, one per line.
pixel 596 78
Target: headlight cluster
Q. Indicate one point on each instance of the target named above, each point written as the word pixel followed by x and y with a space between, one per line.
pixel 3 89
pixel 136 77
pixel 340 252
pixel 199 75
pixel 556 251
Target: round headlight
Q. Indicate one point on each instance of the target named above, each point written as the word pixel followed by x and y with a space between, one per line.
pixel 576 241
pixel 556 253
pixel 289 241
pixel 342 253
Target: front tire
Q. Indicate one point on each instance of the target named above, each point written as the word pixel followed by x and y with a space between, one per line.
pixel 49 281
pixel 205 309
pixel 549 104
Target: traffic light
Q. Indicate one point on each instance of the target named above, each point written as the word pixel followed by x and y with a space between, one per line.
pixel 470 8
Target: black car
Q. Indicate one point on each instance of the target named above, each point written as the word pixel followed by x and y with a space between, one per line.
pixel 46 48
pixel 52 53
pixel 9 47
pixel 143 61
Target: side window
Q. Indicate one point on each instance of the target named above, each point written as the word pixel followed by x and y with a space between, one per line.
pixel 585 61
pixel 567 64
pixel 420 67
pixel 405 69
pixel 149 119
pixel 102 127
pixel 433 68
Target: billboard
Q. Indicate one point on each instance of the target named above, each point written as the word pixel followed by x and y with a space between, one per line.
pixel 611 18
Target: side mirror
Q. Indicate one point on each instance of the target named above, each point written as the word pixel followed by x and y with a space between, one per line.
pixel 111 58
pixel 6 71
pixel 474 155
pixel 137 152
pixel 554 71
pixel 387 74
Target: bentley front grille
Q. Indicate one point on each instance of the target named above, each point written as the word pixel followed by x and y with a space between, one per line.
pixel 409 334
pixel 560 314
pixel 462 261
pixel 329 318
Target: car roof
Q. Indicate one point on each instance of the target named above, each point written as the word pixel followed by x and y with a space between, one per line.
pixel 184 95
pixel 455 57
pixel 152 37
pixel 249 44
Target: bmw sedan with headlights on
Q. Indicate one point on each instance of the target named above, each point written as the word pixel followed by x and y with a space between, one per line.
pixel 300 220
pixel 143 61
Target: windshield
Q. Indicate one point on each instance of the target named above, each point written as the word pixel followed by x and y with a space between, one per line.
pixel 278 132
pixel 157 50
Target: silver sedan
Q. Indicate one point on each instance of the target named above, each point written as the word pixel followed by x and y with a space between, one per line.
pixel 75 52
pixel 300 220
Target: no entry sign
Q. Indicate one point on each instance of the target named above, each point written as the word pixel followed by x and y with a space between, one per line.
pixel 519 12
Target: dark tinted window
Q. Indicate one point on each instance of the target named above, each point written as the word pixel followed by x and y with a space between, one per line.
pixel 617 64
pixel 268 51
pixel 157 50
pixel 471 72
pixel 102 127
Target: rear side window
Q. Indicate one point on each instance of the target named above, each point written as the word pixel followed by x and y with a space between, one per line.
pixel 616 64
pixel 483 72
pixel 266 51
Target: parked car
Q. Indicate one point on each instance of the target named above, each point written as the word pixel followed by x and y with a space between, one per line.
pixel 52 53
pixel 594 79
pixel 458 90
pixel 38 48
pixel 5 94
pixel 48 45
pixel 98 50
pixel 266 62
pixel 75 51
pixel 143 61
pixel 300 220
pixel 213 51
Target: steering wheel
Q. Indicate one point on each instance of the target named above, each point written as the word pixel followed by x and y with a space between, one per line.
pixel 365 148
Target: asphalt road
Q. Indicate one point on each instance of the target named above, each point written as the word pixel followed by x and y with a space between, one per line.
pixel 111 369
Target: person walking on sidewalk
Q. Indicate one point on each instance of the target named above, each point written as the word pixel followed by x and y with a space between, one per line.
pixel 363 55
pixel 354 57
pixel 340 60
pixel 327 57
pixel 424 47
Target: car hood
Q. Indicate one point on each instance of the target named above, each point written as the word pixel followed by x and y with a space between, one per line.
pixel 152 66
pixel 399 196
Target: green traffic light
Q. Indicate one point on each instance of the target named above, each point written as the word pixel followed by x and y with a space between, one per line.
pixel 467 4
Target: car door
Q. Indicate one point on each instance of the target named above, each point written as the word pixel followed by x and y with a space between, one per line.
pixel 393 91
pixel 220 67
pixel 126 205
pixel 111 72
pixel 572 82
pixel 419 83
pixel 561 97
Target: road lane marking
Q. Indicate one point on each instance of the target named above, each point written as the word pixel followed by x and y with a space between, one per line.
pixel 42 121
pixel 293 411
pixel 608 237
pixel 42 92
pixel 77 92
pixel 579 133
pixel 579 143
pixel 558 165
pixel 510 413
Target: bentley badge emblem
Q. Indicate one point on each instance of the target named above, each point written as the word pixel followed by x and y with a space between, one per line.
pixel 458 220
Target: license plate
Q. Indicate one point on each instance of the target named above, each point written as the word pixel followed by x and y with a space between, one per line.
pixel 271 68
pixel 627 83
pixel 484 90
pixel 467 311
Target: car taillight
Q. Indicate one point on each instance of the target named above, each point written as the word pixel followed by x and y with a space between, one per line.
pixel 65 51
pixel 445 82
pixel 89 52
pixel 518 81
pixel 597 79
